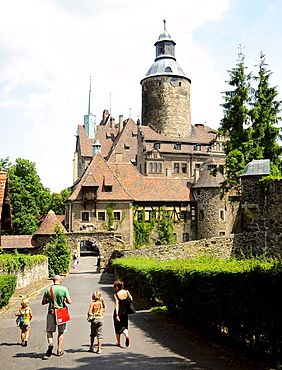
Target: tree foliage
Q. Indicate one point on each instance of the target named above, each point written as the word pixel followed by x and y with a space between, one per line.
pixel 58 252
pixel 29 198
pixel 249 121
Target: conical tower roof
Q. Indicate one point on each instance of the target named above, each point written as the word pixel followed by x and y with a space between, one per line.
pixel 48 224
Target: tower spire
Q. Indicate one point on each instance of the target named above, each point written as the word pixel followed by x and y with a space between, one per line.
pixel 164 25
pixel 89 97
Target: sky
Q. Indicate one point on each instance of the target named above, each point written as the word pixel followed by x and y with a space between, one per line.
pixel 50 48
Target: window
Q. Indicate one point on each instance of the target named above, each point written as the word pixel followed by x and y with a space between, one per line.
pixel 160 84
pixel 134 135
pixel 176 167
pixel 101 216
pixel 168 69
pixel 85 216
pixel 201 215
pixel 185 237
pixel 221 233
pixel 126 147
pixel 221 215
pixel 117 216
pixel 184 167
pixel 177 146
pixel 197 165
pixel 197 147
pixel 155 167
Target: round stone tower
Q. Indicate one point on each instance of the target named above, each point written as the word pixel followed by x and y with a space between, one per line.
pixel 166 92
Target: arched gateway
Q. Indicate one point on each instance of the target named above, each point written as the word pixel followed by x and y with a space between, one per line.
pixel 100 243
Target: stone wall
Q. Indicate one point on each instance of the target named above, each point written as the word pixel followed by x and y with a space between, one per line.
pixel 262 214
pixel 241 245
pixel 31 275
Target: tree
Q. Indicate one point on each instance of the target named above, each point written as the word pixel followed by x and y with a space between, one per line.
pixel 263 132
pixel 250 116
pixel 29 198
pixel 234 122
pixel 57 201
pixel 58 252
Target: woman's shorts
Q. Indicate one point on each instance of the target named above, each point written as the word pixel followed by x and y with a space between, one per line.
pixel 51 325
pixel 97 328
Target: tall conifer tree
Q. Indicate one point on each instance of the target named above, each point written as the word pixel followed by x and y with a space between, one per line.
pixel 235 121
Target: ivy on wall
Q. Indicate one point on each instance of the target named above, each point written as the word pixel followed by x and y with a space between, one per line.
pixel 161 221
pixel 111 225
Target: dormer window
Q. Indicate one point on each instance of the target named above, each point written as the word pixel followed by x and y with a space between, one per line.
pixel 177 146
pixel 157 145
pixel 108 189
pixel 168 69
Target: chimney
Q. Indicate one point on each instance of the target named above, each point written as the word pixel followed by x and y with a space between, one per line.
pixel 120 122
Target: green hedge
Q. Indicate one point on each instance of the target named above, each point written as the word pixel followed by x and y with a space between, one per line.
pixel 238 298
pixel 7 288
pixel 11 263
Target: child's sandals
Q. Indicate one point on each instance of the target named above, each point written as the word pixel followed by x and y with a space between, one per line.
pixel 60 353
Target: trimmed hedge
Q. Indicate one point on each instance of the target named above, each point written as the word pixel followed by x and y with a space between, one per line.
pixel 11 263
pixel 7 288
pixel 238 298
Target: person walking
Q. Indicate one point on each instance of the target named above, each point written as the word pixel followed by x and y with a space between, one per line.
pixel 24 314
pixel 120 315
pixel 61 297
pixel 95 317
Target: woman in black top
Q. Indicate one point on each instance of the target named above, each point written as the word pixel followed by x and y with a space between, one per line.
pixel 120 316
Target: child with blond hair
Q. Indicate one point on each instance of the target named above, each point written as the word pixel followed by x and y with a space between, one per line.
pixel 24 314
pixel 95 317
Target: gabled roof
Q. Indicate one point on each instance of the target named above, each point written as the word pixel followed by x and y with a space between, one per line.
pixel 48 224
pixel 126 143
pixel 106 136
pixel 99 173
pixel 129 185
pixel 5 209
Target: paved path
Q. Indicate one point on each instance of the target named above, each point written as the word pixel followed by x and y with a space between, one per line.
pixel 157 341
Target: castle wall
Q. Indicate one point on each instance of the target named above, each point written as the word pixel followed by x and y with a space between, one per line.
pixel 166 105
pixel 262 214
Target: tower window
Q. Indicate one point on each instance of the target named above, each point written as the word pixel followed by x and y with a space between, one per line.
pixel 157 145
pixel 168 69
pixel 160 84
pixel 179 83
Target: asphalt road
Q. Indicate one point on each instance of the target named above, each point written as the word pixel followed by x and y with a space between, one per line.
pixel 157 341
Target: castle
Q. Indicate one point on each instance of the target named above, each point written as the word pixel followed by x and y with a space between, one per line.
pixel 126 169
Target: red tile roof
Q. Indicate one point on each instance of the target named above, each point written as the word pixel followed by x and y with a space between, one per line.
pixel 128 184
pixel 48 223
pixel 17 241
